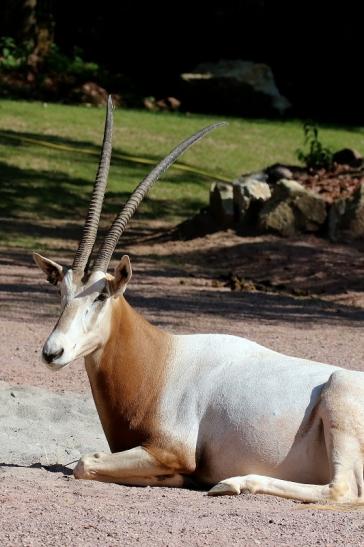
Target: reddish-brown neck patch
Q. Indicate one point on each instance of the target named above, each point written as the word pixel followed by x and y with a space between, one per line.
pixel 128 379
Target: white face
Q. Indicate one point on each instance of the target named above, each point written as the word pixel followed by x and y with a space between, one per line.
pixel 85 320
pixel 81 328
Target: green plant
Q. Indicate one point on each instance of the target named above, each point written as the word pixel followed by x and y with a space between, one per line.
pixel 12 55
pixel 57 61
pixel 318 155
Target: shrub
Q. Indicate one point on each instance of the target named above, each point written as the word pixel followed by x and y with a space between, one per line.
pixel 13 56
pixel 318 155
pixel 56 61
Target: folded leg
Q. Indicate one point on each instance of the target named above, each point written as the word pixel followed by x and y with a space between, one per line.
pixel 135 467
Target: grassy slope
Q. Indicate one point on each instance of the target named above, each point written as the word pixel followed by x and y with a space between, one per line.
pixel 39 185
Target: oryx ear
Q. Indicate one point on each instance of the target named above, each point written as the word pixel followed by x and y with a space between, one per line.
pixel 53 271
pixel 122 275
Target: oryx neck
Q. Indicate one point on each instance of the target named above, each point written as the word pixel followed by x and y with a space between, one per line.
pixel 129 376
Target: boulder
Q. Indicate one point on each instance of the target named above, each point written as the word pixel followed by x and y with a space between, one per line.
pixel 221 203
pixel 90 93
pixel 234 86
pixel 348 156
pixel 254 175
pixel 168 104
pixel 278 172
pixel 292 209
pixel 335 218
pixel 249 195
pixel 199 225
pixel 346 216
pixel 356 213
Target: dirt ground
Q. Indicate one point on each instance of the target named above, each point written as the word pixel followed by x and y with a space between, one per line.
pixel 184 287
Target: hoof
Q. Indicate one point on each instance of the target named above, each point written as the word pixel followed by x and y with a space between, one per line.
pixel 81 471
pixel 224 488
pixel 87 465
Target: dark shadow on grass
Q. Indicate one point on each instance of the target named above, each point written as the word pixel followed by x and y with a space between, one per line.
pixel 42 195
pixel 15 138
pixel 46 194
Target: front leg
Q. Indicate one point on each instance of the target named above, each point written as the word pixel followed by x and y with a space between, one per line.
pixel 136 467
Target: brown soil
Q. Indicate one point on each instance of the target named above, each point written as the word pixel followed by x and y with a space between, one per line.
pixel 339 182
pixel 180 286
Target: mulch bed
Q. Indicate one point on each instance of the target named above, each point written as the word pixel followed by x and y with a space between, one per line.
pixel 338 182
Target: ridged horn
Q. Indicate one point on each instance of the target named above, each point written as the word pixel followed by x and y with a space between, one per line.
pixel 118 226
pixel 94 211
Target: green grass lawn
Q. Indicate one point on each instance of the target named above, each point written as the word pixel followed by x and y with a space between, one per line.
pixel 44 191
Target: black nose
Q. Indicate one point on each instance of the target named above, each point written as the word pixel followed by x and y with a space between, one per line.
pixel 49 357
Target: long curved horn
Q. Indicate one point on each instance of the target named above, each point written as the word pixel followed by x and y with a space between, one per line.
pixel 93 215
pixel 118 226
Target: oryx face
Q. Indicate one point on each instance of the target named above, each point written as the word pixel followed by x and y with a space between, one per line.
pixel 85 318
pixel 87 293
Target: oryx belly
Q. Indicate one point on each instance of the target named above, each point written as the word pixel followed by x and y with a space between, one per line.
pixel 246 409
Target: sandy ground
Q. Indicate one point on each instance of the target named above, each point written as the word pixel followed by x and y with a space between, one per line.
pixel 47 419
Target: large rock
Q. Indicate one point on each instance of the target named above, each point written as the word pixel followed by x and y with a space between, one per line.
pixel 348 156
pixel 90 93
pixel 336 216
pixel 292 209
pixel 277 172
pixel 240 87
pixel 356 213
pixel 346 216
pixel 168 104
pixel 221 203
pixel 249 195
pixel 197 226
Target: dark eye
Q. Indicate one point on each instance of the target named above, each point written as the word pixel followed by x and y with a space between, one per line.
pixel 101 298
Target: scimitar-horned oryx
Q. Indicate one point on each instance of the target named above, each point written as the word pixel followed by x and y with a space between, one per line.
pixel 211 409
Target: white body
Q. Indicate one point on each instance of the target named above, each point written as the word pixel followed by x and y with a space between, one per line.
pixel 242 406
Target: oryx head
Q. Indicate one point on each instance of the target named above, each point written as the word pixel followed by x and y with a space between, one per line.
pixel 85 288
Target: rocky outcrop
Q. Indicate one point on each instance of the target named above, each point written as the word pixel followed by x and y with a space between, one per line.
pixel 250 204
pixel 168 104
pixel 348 156
pixel 221 203
pixel 355 213
pixel 346 216
pixel 277 172
pixel 249 195
pixel 292 209
pixel 234 86
pixel 90 93
pixel 256 202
